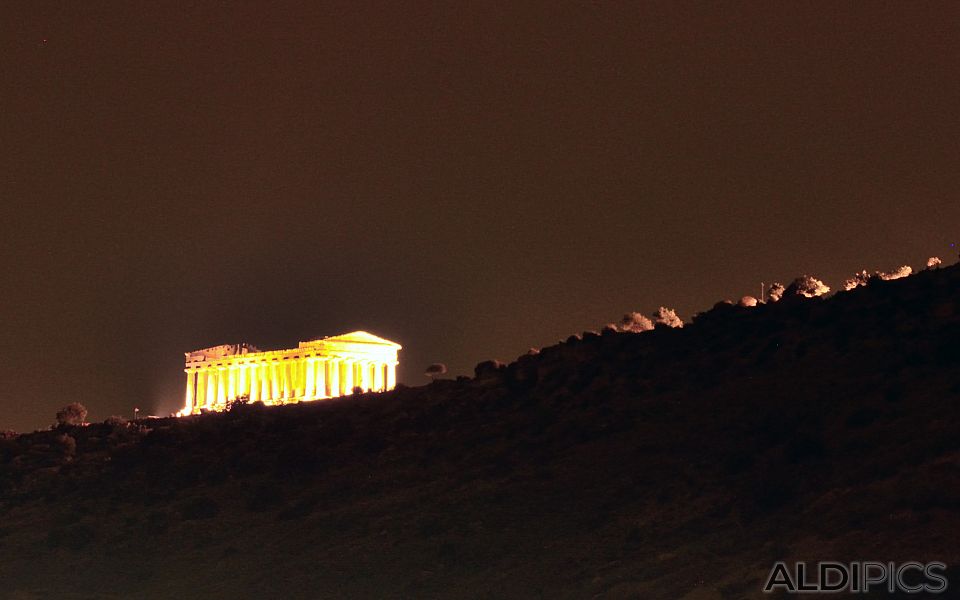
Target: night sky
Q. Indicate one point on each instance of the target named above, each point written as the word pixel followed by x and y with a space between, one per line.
pixel 468 179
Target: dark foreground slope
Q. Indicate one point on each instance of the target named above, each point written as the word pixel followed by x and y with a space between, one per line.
pixel 669 464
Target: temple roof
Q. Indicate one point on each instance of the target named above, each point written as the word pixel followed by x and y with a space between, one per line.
pixel 357 337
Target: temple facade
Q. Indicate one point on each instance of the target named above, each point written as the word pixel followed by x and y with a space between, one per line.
pixel 316 369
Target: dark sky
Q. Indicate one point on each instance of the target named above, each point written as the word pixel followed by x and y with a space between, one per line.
pixel 468 179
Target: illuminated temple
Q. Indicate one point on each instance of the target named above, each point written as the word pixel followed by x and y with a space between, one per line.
pixel 316 369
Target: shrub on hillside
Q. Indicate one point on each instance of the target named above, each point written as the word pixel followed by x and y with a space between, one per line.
pixel 718 313
pixel 238 403
pixel 488 368
pixel 435 370
pixel 858 279
pixel 67 445
pixel 115 421
pixel 863 278
pixel 668 317
pixel 775 293
pixel 72 414
pixel 806 286
pixel 635 322
pixel 898 273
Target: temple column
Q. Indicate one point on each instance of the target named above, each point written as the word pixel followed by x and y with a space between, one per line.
pixel 300 374
pixel 281 380
pixel 320 376
pixel 231 383
pixel 221 386
pixel 391 375
pixel 267 392
pixel 346 384
pixel 300 381
pixel 253 383
pixel 265 387
pixel 293 367
pixel 333 385
pixel 262 382
pixel 238 378
pixel 310 379
pixel 200 401
pixel 274 374
pixel 378 376
pixel 189 399
pixel 285 379
pixel 364 368
pixel 243 388
pixel 190 396
pixel 211 388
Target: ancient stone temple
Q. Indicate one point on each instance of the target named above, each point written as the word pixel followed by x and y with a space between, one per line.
pixel 316 369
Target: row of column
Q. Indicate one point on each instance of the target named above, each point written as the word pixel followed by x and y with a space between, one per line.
pixel 271 382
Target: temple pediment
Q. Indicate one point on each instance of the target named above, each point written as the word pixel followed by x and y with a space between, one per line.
pixel 356 337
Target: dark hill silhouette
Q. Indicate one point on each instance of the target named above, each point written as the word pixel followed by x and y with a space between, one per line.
pixel 675 463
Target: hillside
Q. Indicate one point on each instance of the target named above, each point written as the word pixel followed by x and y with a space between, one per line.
pixel 676 463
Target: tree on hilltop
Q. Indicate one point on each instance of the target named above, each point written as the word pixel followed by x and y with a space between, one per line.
pixel 775 293
pixel 807 286
pixel 635 322
pixel 668 317
pixel 72 414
